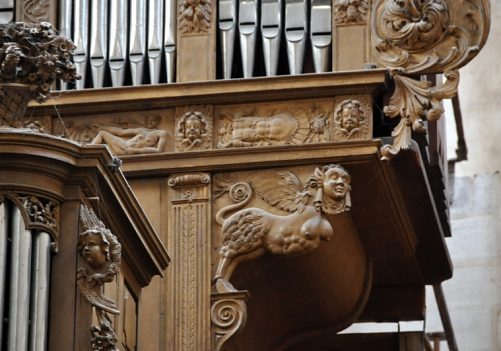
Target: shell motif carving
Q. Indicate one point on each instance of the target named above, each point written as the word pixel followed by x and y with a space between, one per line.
pixel 250 232
pixel 194 16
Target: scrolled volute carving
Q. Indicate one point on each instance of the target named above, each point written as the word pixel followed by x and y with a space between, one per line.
pixel 194 16
pixel 228 315
pixel 101 251
pixel 34 56
pixel 250 232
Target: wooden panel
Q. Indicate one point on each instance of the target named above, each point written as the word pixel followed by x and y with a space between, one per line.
pixel 350 50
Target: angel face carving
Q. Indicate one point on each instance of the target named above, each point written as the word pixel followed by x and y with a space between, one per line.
pixel 94 248
pixel 250 232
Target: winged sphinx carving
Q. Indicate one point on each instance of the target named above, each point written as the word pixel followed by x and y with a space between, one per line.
pixel 250 232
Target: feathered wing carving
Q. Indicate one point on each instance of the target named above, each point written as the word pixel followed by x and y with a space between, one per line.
pixel 289 195
pixel 243 233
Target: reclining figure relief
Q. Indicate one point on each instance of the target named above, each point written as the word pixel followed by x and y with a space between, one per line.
pixel 250 232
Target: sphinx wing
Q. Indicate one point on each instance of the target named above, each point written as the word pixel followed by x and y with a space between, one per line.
pixel 281 189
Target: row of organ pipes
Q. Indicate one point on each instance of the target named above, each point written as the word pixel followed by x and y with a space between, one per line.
pixel 24 282
pixel 299 19
pixel 110 33
pixel 123 36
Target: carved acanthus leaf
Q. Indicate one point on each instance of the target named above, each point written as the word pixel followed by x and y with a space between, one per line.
pixel 429 36
pixel 351 11
pixel 228 315
pixel 194 16
pixel 415 101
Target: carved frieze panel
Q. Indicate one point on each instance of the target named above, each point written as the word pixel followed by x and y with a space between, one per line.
pixel 194 16
pixel 278 124
pixel 100 258
pixel 280 211
pixel 352 118
pixel 193 128
pixel 129 133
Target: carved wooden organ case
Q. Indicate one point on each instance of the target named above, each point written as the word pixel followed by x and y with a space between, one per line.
pixel 275 197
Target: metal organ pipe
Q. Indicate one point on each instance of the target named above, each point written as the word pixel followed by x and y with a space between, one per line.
pixel 271 30
pixel 296 32
pixel 40 291
pixel 321 33
pixel 118 41
pixel 227 28
pixel 247 26
pixel 3 260
pixel 137 40
pixel 155 23
pixel 19 304
pixel 80 36
pixel 98 44
pixel 65 24
pixel 170 39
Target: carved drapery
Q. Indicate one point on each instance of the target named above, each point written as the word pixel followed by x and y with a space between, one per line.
pixel 189 210
pixel 228 316
pixel 249 232
pixel 100 252
pixel 425 37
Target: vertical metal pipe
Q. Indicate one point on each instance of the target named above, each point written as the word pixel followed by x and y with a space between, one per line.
pixel 321 33
pixel 7 15
pixel 98 43
pixel 155 25
pixel 19 284
pixel 65 24
pixel 227 28
pixel 296 32
pixel 80 38
pixel 170 39
pixel 40 292
pixel 137 39
pixel 118 30
pixel 247 26
pixel 3 258
pixel 271 31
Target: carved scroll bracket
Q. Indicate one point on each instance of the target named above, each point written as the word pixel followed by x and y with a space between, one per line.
pixel 414 37
pixel 228 316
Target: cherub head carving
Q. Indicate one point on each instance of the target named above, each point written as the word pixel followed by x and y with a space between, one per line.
pixel 191 129
pixel 333 188
pixel 98 246
pixel 349 115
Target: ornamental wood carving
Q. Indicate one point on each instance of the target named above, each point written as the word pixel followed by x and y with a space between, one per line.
pixel 228 316
pixel 425 37
pixel 101 255
pixel 352 119
pixel 35 11
pixel 194 16
pixel 351 11
pixel 194 128
pixel 250 232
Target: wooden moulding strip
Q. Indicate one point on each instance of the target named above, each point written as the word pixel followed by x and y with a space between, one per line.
pixel 247 158
pixel 213 92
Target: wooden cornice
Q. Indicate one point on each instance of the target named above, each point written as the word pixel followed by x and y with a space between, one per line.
pixel 212 92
